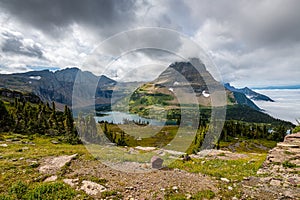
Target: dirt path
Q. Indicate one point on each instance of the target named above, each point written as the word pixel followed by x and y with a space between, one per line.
pixel 151 185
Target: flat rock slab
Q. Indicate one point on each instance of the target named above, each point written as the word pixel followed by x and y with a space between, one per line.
pixel 294 135
pixel 145 148
pixel 52 165
pixel 287 145
pixel 51 178
pixel 71 182
pixel 92 188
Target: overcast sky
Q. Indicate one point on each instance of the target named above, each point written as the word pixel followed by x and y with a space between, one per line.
pixel 252 43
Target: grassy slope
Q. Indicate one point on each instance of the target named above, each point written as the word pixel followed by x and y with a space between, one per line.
pixel 16 165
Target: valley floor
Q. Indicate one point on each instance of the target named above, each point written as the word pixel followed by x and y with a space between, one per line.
pixel 43 168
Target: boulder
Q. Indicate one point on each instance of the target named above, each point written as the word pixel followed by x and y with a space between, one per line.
pixel 156 162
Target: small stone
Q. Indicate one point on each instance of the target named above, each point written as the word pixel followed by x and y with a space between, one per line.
pixel 25 148
pixel 202 162
pixel 188 196
pixel 260 171
pixel 174 188
pixel 51 178
pixel 156 162
pixel 225 180
pixel 22 158
pixel 285 185
pixel 129 188
pixel 275 182
pixel 144 165
pixel 292 181
pixel 54 142
pixel 3 145
pixel 162 189
pixel 235 198
pixel 230 188
pixel 186 157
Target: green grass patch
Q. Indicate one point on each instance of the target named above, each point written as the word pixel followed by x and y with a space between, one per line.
pixel 111 195
pixel 231 169
pixel 248 145
pixel 174 195
pixel 288 164
pixel 42 191
pixel 204 194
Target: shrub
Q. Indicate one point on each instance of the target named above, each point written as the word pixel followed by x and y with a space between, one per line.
pixel 18 190
pixel 51 191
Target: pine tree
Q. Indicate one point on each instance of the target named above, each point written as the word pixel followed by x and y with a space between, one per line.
pixel 5 118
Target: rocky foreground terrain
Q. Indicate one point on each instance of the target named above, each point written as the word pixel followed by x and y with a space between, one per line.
pixel 278 178
pixel 215 174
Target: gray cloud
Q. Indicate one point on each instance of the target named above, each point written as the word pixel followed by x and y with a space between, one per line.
pixel 15 45
pixel 56 16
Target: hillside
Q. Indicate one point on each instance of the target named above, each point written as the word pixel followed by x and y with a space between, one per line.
pixel 58 86
pixel 26 114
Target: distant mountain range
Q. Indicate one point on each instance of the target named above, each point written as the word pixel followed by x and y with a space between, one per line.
pixel 249 93
pixel 58 87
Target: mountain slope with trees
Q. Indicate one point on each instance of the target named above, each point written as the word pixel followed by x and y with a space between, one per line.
pixel 25 113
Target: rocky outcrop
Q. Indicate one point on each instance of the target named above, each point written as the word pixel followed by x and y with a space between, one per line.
pixel 286 155
pixel 279 177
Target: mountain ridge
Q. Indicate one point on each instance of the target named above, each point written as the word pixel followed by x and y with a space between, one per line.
pixel 248 92
pixel 57 86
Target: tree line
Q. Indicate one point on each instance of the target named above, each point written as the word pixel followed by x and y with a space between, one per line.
pixel 21 116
